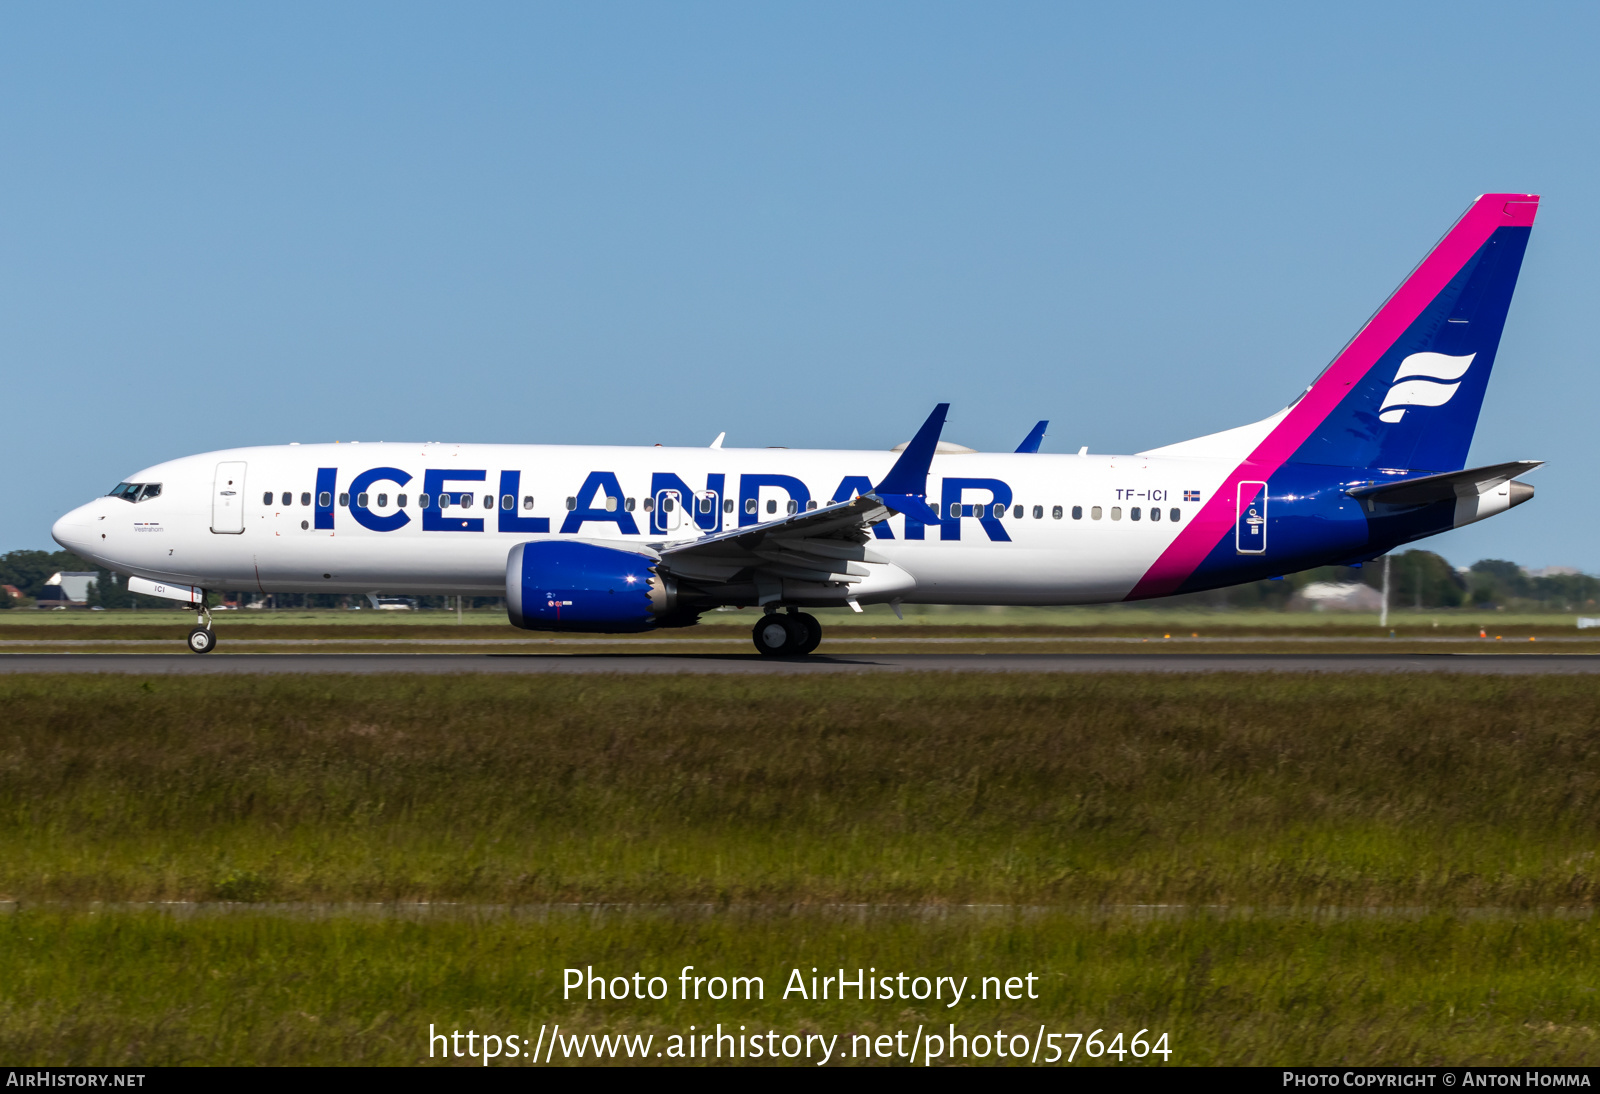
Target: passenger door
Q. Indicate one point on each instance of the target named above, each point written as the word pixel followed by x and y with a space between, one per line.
pixel 227 499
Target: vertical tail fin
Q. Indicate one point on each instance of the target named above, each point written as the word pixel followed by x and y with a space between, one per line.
pixel 1406 391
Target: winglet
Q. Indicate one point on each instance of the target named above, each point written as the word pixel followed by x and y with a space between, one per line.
pixel 1031 442
pixel 905 488
pixel 909 475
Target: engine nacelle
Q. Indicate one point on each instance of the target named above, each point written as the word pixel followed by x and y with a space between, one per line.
pixel 562 585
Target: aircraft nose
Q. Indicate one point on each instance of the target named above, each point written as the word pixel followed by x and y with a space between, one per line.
pixel 72 530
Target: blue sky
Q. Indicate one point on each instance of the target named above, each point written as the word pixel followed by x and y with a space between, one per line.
pixel 802 224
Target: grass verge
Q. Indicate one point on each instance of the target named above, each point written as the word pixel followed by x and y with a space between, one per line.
pixel 1371 869
pixel 254 988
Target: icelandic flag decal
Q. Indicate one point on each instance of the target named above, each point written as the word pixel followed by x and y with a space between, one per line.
pixel 1191 495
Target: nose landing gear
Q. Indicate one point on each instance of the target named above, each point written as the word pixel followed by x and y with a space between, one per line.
pixel 202 639
pixel 778 635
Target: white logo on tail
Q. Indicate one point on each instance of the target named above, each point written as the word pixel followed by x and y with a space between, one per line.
pixel 1433 390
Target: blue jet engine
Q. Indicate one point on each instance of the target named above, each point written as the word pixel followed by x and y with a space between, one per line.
pixel 555 585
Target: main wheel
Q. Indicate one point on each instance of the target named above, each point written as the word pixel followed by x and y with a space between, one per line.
pixel 775 635
pixel 813 630
pixel 202 640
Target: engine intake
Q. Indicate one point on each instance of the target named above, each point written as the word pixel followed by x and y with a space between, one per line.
pixel 557 585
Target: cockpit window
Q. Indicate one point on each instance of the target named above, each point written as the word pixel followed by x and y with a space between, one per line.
pixel 136 491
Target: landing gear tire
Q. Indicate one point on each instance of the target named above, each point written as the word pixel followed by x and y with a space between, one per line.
pixel 813 631
pixel 778 635
pixel 202 640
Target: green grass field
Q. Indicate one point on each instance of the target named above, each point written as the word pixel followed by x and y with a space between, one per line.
pixel 1351 869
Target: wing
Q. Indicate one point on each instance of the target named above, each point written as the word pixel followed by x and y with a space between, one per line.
pixel 827 546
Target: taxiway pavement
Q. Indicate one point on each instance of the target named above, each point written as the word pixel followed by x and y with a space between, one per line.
pixel 187 664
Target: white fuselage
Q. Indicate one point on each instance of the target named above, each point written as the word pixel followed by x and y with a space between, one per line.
pixel 188 533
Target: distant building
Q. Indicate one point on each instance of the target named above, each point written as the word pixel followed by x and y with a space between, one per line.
pixel 12 591
pixel 1329 596
pixel 69 588
pixel 1554 571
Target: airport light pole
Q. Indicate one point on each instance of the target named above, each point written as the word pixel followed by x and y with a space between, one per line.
pixel 1383 613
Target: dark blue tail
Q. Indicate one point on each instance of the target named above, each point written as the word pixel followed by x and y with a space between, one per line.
pixel 1417 406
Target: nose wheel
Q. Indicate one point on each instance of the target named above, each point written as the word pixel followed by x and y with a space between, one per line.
pixel 779 635
pixel 203 639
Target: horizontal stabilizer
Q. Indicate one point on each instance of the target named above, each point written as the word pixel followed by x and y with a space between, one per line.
pixel 1448 486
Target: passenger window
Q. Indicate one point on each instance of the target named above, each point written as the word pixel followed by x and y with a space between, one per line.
pixel 423 500
pixel 444 501
pixel 705 504
pixel 1094 513
pixel 488 501
pixel 266 499
pixel 344 500
pixel 1116 512
pixel 999 510
pixel 749 505
pixel 667 505
pixel 361 500
pixel 383 500
pixel 772 506
pixel 288 499
pixel 955 509
pixel 572 503
pixel 527 502
pixel 400 501
pixel 305 497
pixel 810 505
pixel 325 499
pixel 1155 512
pixel 611 505
pixel 650 504
pixel 1055 512
pixel 507 501
pixel 466 501
pixel 1172 515
pixel 1038 512
pixel 1133 514
pixel 628 505
pixel 1016 512
pixel 1077 512
pixel 727 505
pixel 792 508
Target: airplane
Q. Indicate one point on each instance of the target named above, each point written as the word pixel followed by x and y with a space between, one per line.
pixel 1370 456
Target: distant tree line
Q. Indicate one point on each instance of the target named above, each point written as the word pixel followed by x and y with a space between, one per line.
pixel 27 571
pixel 1421 579
pixel 1417 579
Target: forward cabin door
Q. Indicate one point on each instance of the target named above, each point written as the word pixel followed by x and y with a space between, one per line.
pixel 227 499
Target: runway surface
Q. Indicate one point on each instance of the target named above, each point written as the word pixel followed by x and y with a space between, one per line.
pixel 187 664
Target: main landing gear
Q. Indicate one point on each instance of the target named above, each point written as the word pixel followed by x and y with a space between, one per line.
pixel 778 634
pixel 203 639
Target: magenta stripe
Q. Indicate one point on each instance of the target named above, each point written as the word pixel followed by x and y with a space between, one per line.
pixel 1216 517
